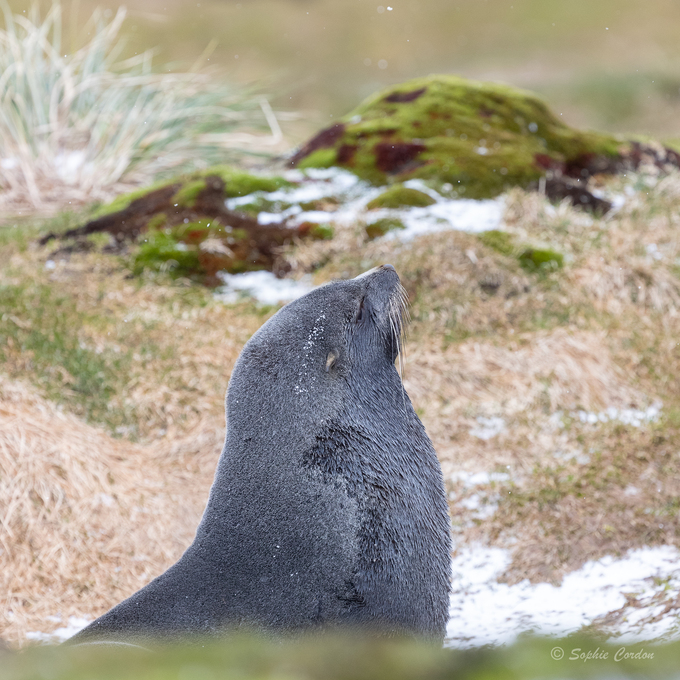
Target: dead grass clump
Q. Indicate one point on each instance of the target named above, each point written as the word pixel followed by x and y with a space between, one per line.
pixel 85 519
pixel 527 379
pixel 458 288
pixel 614 285
pixel 162 351
pixel 530 215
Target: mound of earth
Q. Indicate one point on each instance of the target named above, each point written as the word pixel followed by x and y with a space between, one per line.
pixel 183 226
pixel 481 138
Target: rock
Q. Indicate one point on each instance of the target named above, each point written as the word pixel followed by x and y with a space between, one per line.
pixel 481 138
pixel 183 226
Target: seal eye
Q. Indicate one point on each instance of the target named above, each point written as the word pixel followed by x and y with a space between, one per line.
pixel 330 360
pixel 360 313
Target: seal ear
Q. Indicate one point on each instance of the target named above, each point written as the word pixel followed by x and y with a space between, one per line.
pixel 331 359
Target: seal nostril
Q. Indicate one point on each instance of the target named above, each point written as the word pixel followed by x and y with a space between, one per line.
pixel 388 266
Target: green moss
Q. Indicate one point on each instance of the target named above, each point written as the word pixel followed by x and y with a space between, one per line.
pixel 123 201
pixel 236 182
pixel 240 183
pixel 322 158
pixel 399 196
pixel 197 231
pixel 322 232
pixel 157 221
pixel 160 251
pixel 45 328
pixel 535 260
pixel 497 240
pixel 381 227
pixel 186 196
pixel 260 203
pixel 480 137
pixel 530 259
pixel 324 657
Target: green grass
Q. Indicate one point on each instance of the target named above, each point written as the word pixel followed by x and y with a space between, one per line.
pixel 40 342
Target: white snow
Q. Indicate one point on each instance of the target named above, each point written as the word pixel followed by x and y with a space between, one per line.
pixel 471 479
pixel 627 416
pixel 488 427
pixel 479 509
pixel 354 194
pixel 74 625
pixel 484 611
pixel 263 286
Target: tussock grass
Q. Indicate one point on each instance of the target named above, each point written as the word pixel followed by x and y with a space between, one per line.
pixel 84 126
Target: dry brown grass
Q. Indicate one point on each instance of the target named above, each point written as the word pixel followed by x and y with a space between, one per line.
pixel 623 495
pixel 528 379
pixel 487 340
pixel 87 519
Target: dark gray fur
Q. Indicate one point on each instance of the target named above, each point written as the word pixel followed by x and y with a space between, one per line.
pixel 328 505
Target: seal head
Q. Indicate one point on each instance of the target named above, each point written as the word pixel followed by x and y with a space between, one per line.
pixel 328 506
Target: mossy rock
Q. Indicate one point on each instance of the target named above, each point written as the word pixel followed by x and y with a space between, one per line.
pixel 160 251
pixel 197 250
pixel 189 187
pixel 382 226
pixel 399 196
pixel 482 138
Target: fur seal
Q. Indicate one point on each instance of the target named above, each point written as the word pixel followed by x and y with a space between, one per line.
pixel 328 507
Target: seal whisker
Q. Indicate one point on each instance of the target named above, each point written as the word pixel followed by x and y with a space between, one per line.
pixel 399 317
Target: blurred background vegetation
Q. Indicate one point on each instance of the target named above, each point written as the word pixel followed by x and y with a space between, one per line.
pixel 611 64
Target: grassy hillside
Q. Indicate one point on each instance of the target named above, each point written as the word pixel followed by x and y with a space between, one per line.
pixel 559 382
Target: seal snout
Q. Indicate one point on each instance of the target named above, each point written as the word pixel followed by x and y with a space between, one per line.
pixel 375 270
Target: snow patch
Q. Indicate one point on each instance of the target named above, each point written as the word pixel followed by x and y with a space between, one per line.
pixel 486 612
pixel 263 286
pixel 471 479
pixel 75 625
pixel 487 427
pixel 354 195
pixel 627 416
